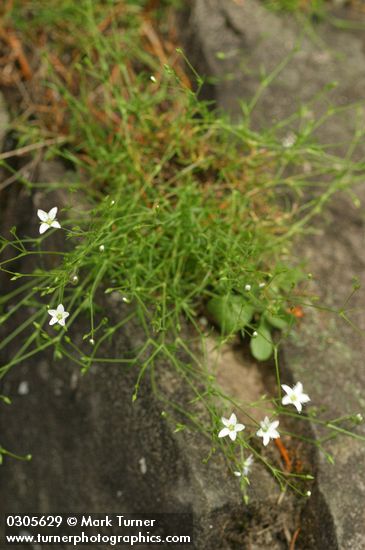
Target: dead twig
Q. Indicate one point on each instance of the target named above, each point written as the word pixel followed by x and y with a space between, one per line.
pixel 28 148
pixel 294 539
pixel 284 454
pixel 11 38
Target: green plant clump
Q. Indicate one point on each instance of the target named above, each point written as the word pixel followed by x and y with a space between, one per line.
pixel 170 206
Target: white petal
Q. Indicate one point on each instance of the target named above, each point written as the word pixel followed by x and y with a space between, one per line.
pixel 60 308
pixel 52 312
pixel 260 433
pixel 274 424
pixel 287 389
pixel 273 434
pixel 237 474
pixel 56 224
pixel 239 427
pixel 53 321
pixel 225 421
pixel 224 432
pixel 42 215
pixel 52 213
pixel 298 388
pixel 298 406
pixel 233 435
pixel 61 322
pixel 304 398
pixel 266 439
pixel 66 314
pixel 233 419
pixel 249 461
pixel 43 227
pixel 286 400
pixel 265 421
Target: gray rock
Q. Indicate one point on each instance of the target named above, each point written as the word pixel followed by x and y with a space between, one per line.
pixel 236 44
pixel 232 42
pixel 335 352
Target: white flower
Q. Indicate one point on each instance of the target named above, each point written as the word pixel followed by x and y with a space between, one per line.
pixel 289 140
pixel 248 287
pixel 58 315
pixel 295 396
pixel 254 334
pixel 153 78
pixel 268 430
pixel 48 219
pixel 262 285
pixel 231 427
pixel 246 467
pixel 101 248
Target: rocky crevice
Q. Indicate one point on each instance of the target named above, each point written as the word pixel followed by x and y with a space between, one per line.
pixel 232 42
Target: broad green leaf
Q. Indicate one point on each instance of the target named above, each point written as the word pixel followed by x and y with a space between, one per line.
pixel 232 313
pixel 279 321
pixel 261 345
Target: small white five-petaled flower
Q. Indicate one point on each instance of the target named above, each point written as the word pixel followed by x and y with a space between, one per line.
pixel 246 467
pixel 295 396
pixel 58 315
pixel 231 427
pixel 268 430
pixel 48 219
